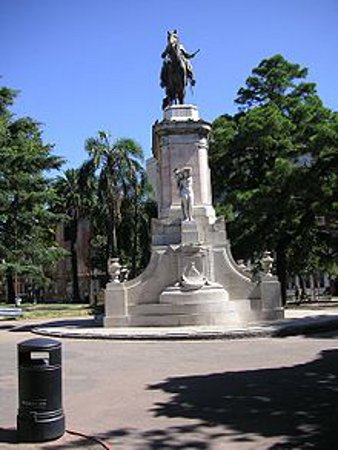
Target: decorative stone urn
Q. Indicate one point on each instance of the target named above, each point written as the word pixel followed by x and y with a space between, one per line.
pixel 114 269
pixel 267 263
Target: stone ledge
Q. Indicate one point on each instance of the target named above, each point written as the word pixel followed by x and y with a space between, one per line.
pixel 289 327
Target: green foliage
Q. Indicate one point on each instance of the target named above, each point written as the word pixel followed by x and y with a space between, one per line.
pixel 27 244
pixel 274 170
pixel 120 222
pixel 75 199
pixel 276 81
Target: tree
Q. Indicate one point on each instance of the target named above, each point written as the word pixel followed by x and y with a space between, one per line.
pixel 27 246
pixel 134 229
pixel 279 82
pixel 119 181
pixel 277 157
pixel 76 200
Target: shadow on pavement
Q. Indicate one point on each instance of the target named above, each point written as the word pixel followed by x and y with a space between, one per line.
pixel 6 326
pixel 291 407
pixel 324 334
pixel 181 437
pixel 307 325
pixel 297 405
pixel 71 323
pixel 69 441
pixel 8 435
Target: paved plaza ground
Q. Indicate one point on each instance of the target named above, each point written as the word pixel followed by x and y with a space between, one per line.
pixel 258 393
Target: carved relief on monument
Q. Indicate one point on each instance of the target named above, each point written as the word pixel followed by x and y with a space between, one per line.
pixel 192 279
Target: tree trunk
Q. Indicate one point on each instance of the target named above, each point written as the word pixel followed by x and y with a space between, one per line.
pixel 114 250
pixel 281 269
pixel 111 234
pixel 135 241
pixel 74 266
pixel 302 288
pixel 10 288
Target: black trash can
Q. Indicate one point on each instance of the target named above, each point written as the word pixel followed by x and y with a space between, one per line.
pixel 40 415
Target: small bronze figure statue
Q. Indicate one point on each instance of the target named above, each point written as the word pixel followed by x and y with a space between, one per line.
pixel 176 70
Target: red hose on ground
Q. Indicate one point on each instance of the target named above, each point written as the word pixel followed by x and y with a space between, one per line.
pixel 105 445
pixel 13 437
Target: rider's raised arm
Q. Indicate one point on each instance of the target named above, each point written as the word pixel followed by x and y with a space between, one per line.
pixel 188 55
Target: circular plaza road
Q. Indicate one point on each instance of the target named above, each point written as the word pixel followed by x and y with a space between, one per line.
pixel 266 393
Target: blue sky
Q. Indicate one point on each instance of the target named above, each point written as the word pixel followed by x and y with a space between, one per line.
pixel 85 65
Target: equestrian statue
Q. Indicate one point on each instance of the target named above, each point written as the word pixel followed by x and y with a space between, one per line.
pixel 176 70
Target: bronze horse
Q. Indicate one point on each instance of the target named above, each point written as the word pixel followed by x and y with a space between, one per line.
pixel 176 71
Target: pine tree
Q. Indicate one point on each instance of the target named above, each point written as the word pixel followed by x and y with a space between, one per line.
pixel 27 246
pixel 273 167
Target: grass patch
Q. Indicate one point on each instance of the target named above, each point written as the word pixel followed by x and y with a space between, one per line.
pixel 51 310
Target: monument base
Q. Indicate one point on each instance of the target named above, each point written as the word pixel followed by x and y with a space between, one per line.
pixel 208 305
pixel 218 293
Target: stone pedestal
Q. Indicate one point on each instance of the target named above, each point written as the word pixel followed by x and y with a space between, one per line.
pixel 270 295
pixel 191 278
pixel 181 140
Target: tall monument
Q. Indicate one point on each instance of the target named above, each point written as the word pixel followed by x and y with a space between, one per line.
pixel 191 278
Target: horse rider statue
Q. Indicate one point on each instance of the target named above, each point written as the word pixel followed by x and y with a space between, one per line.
pixel 176 70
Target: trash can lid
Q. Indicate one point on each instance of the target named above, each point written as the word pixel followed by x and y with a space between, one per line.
pixel 39 344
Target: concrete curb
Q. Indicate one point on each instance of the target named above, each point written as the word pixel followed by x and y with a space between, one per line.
pixel 288 327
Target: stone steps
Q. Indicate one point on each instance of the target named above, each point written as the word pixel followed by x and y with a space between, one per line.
pixel 211 313
pixel 188 308
pixel 175 320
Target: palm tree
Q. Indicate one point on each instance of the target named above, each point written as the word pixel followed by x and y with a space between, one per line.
pixel 120 170
pixel 76 192
pixel 138 214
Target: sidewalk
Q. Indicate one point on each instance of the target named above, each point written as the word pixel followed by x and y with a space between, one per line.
pixel 297 322
pixel 178 388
